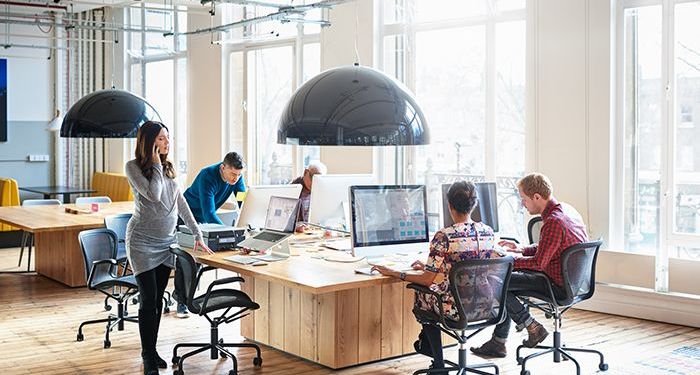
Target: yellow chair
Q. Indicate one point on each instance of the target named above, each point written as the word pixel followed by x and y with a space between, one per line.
pixel 9 197
pixel 112 185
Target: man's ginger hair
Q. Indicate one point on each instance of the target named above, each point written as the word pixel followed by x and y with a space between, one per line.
pixel 536 183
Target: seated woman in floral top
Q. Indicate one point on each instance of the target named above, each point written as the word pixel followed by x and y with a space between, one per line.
pixel 463 240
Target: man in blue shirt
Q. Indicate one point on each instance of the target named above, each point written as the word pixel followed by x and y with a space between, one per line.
pixel 212 187
pixel 209 191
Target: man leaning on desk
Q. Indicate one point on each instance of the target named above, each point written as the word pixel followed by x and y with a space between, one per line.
pixel 306 180
pixel 209 191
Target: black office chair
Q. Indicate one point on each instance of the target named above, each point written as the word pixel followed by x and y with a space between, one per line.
pixel 534 227
pixel 479 287
pixel 578 269
pixel 117 223
pixel 213 300
pixel 99 248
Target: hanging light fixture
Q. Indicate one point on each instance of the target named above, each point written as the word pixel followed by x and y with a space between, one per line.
pixel 107 113
pixel 352 106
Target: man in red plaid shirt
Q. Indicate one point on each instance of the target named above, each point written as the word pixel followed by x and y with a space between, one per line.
pixel 558 232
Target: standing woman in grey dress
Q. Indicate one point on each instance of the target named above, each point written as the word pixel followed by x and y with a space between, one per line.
pixel 151 231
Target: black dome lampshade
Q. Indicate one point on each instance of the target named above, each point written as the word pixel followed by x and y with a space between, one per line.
pixel 107 114
pixel 352 106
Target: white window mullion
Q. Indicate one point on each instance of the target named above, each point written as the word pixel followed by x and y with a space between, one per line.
pixel 666 201
pixel 490 130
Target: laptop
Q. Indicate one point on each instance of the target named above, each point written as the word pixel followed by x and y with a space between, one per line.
pixel 279 226
pixel 389 224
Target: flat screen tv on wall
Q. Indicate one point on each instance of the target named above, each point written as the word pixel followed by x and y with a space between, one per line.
pixel 3 100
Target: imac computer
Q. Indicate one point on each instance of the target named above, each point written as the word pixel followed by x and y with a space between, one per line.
pixel 328 205
pixel 486 210
pixel 388 219
pixel 257 200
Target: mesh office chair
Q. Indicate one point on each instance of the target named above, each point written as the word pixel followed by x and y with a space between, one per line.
pixel 99 248
pixel 578 269
pixel 534 227
pixel 28 237
pixel 210 302
pixel 479 287
pixel 88 200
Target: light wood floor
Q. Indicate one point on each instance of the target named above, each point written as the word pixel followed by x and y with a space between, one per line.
pixel 39 319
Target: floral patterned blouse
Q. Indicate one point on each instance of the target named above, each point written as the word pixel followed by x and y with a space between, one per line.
pixel 451 245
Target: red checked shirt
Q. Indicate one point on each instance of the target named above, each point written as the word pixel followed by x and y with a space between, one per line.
pixel 559 232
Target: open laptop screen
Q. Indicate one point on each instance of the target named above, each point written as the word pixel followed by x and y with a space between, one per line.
pixel 388 214
pixel 282 214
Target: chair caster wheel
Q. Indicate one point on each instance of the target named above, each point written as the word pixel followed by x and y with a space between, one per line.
pixel 603 367
pixel 108 344
pixel 108 307
pixel 231 372
pixel 134 301
pixel 525 372
pixel 222 354
pixel 166 310
pixel 175 360
pixel 257 361
pixel 519 360
pixel 80 337
pixel 178 372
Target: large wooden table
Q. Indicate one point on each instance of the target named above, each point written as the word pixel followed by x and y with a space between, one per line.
pixel 324 312
pixel 57 252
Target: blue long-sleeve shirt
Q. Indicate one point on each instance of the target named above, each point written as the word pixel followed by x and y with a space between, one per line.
pixel 208 192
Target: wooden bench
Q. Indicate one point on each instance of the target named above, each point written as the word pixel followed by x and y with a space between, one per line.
pixel 112 185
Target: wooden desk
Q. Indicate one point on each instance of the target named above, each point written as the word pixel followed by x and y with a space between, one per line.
pixel 58 255
pixel 324 312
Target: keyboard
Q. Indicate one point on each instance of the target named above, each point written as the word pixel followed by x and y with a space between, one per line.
pixel 270 257
pixel 242 259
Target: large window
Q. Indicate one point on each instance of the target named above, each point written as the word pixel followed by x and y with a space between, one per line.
pixel 267 63
pixel 660 128
pixel 157 70
pixel 465 61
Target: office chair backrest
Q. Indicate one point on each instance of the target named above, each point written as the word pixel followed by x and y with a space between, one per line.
pixel 189 271
pixel 534 227
pixel 88 200
pixel 578 269
pixel 41 202
pixel 118 223
pixel 480 285
pixel 98 244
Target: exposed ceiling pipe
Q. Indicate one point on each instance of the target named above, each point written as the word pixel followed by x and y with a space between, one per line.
pixel 283 14
pixel 32 46
pixel 246 2
pixel 34 5
pixel 79 26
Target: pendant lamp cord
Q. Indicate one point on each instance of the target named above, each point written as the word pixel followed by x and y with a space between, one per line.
pixel 357 28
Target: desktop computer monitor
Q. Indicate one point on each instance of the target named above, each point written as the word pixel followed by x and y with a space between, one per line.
pixel 257 200
pixel 328 205
pixel 388 219
pixel 486 210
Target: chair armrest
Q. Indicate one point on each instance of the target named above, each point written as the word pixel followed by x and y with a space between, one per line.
pixel 425 290
pixel 225 280
pixel 201 271
pixel 548 281
pixel 511 239
pixel 91 276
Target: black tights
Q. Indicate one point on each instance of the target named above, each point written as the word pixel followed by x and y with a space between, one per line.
pixel 152 285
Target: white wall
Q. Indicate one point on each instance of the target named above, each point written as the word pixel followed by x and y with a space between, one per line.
pixel 204 99
pixel 338 49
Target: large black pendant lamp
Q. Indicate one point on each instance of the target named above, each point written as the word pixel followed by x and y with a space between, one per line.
pixel 352 106
pixel 107 113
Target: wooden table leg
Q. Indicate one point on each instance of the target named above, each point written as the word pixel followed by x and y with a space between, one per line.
pixel 58 256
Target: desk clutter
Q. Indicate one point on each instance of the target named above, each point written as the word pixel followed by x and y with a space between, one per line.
pixel 77 211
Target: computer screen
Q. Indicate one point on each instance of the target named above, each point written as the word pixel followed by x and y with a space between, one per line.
pixel 388 214
pixel 254 210
pixel 486 210
pixel 328 205
pixel 282 214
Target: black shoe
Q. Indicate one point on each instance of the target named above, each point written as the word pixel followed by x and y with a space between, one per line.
pixel 160 362
pixel 150 366
pixel 422 346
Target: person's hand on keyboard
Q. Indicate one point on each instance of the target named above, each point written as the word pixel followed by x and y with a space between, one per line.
pixel 418 265
pixel 386 271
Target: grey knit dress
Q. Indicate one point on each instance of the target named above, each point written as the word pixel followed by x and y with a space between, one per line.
pixel 151 230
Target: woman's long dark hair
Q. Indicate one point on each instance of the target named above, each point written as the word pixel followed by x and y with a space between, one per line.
pixel 145 139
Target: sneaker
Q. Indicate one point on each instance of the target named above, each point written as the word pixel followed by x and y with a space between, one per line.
pixel 182 311
pixel 536 333
pixel 490 349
